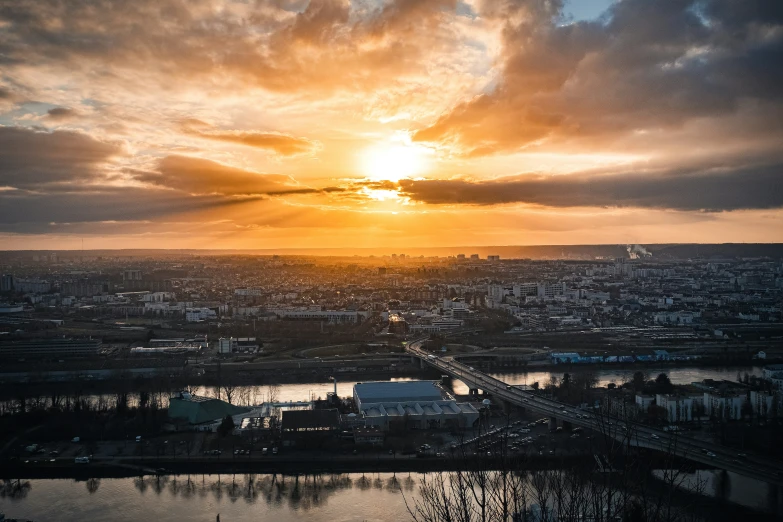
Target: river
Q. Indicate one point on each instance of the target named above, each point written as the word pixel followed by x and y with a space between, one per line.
pixel 327 498
pixel 305 391
pixel 340 498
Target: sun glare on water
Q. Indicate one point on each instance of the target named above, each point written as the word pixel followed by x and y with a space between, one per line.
pixel 393 162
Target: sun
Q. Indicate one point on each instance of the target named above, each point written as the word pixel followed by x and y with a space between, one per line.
pixel 393 161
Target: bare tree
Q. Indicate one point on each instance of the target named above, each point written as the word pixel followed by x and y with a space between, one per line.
pixel 493 486
pixel 229 390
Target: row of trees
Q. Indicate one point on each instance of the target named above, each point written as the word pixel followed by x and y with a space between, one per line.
pixel 503 488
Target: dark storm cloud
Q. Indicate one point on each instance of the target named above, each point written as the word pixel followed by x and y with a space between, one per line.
pixel 33 157
pixel 60 113
pixel 649 65
pixel 710 188
pixel 101 204
pixel 200 176
pixel 63 176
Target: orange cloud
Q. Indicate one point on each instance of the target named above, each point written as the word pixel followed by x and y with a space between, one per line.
pixel 282 144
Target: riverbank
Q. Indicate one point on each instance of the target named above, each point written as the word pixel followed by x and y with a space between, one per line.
pixel 305 464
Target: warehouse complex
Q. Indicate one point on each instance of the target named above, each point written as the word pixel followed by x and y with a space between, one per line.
pixel 411 405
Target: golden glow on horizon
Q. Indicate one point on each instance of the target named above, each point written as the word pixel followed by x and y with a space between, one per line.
pixel 381 194
pixel 393 162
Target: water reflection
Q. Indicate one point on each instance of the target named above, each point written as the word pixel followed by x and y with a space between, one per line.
pixel 285 498
pixel 92 485
pixel 298 492
pixel 15 489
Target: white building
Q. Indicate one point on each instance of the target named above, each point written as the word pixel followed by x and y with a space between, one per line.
pixel 549 291
pixel 526 289
pixel 157 297
pixel 330 316
pixel 726 407
pixel 682 317
pixel 678 408
pixel 411 405
pixel 643 402
pixel 765 405
pixel 196 315
pixel 237 345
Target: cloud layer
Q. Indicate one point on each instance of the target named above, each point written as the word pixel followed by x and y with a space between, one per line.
pixel 647 66
pixel 704 188
pixel 255 119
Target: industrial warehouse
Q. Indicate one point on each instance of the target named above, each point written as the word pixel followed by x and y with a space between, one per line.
pixel 411 405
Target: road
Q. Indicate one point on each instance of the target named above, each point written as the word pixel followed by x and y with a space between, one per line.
pixel 759 467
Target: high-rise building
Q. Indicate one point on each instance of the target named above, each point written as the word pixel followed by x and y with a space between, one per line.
pixel 6 283
pixel 131 275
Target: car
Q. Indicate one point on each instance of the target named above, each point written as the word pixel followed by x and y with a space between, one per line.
pixel 264 451
pixel 711 455
pixel 274 450
pixel 654 436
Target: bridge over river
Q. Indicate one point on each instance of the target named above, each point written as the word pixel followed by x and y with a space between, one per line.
pixel 755 466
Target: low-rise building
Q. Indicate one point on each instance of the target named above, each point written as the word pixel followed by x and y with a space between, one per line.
pixel 411 405
pixel 200 413
pixel 368 435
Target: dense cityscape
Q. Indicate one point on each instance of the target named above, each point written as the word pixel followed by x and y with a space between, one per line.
pixel 391 260
pixel 134 363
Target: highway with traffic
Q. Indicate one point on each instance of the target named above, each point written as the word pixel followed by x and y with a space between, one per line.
pixel 752 465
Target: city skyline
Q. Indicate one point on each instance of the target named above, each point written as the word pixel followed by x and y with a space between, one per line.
pixel 292 124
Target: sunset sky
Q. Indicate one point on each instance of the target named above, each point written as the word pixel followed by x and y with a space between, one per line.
pixel 379 123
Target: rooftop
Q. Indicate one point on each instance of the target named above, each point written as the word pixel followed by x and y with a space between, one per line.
pixel 397 391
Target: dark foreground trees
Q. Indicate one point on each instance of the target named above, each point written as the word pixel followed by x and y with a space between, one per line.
pixel 623 486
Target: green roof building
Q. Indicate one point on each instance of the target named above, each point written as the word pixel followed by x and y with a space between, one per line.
pixel 201 410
